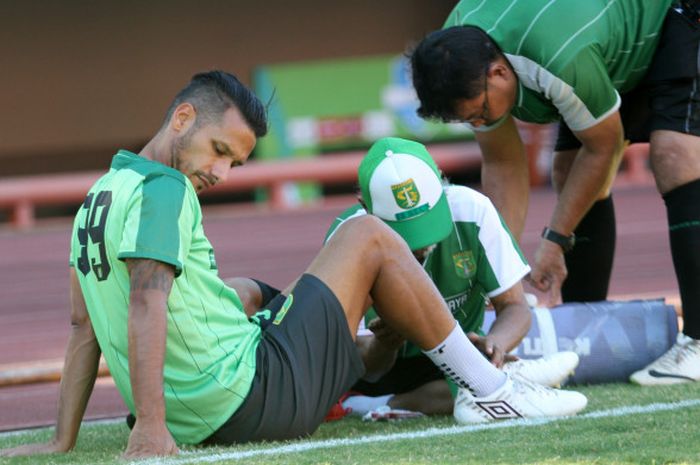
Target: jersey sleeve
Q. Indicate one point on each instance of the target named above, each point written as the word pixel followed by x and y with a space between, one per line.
pixel 159 222
pixel 584 95
pixel 501 263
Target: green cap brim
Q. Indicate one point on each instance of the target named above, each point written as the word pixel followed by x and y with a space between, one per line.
pixel 427 229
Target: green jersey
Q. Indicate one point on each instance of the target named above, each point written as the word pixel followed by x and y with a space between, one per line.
pixel 479 259
pixel 571 57
pixel 144 209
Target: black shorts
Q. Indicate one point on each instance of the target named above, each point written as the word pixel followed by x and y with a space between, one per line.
pixel 305 361
pixel 669 95
pixel 406 375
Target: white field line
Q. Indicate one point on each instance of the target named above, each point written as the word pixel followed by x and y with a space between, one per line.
pixel 199 457
pixel 86 424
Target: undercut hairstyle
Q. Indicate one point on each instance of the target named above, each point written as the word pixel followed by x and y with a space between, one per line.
pixel 214 92
pixel 448 65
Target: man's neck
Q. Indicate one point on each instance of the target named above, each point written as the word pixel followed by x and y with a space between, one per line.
pixel 155 150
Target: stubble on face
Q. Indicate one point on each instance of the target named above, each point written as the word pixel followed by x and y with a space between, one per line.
pixel 179 161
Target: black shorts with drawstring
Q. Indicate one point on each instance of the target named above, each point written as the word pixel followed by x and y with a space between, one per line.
pixel 306 360
pixel 668 98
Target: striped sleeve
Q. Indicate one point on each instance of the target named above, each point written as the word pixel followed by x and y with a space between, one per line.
pixel 159 222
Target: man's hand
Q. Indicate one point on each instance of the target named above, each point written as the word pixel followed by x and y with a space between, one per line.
pixel 50 447
pixel 385 334
pixel 549 271
pixel 147 440
pixel 493 351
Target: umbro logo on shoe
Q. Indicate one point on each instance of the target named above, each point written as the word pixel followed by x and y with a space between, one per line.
pixel 498 410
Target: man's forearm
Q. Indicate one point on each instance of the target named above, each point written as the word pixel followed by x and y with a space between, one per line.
pixel 511 326
pixel 589 176
pixel 512 318
pixel 146 359
pixel 79 371
pixel 151 283
pixel 77 381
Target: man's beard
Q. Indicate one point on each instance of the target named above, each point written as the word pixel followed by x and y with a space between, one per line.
pixel 177 149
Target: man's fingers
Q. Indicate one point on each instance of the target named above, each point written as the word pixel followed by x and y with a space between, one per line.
pixel 553 296
pixel 539 281
pixel 497 356
pixel 473 337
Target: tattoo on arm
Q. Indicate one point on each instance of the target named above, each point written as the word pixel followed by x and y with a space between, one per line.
pixel 150 274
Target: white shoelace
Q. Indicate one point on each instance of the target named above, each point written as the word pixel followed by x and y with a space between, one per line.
pixel 523 386
pixel 678 353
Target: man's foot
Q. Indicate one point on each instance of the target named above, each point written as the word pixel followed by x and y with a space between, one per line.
pixel 681 364
pixel 517 398
pixel 549 370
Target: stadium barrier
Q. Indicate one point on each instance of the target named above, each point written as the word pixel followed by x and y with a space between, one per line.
pixel 21 195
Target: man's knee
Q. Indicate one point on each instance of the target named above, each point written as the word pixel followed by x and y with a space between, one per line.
pixel 368 232
pixel 675 159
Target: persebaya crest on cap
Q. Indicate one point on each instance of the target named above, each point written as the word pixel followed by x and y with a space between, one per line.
pixel 401 184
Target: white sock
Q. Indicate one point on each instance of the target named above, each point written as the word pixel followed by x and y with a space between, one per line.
pixel 457 357
pixel 363 404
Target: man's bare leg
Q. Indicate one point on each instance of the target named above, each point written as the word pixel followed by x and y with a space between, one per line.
pixel 433 398
pixel 366 257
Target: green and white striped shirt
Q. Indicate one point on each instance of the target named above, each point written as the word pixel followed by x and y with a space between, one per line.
pixel 572 57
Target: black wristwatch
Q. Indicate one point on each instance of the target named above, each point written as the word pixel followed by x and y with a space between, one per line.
pixel 565 242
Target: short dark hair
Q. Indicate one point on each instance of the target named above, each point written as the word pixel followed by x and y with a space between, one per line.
pixel 448 65
pixel 214 92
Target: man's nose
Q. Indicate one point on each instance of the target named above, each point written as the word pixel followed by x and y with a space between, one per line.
pixel 221 170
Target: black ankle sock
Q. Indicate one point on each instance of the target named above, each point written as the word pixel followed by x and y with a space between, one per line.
pixel 590 262
pixel 683 212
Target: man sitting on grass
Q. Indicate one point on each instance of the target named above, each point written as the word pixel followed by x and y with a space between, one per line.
pixel 468 253
pixel 188 361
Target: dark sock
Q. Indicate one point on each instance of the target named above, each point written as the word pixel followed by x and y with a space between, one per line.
pixel 590 262
pixel 683 211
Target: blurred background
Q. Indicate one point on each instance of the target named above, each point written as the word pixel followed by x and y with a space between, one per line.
pixel 80 79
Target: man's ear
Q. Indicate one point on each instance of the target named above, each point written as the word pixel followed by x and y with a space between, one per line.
pixel 183 117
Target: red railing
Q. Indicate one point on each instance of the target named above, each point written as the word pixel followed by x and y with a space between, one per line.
pixel 21 195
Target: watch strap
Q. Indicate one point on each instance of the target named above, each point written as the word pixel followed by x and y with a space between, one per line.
pixel 565 242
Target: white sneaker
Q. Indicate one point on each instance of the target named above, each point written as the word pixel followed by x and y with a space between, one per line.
pixel 681 364
pixel 517 398
pixel 549 370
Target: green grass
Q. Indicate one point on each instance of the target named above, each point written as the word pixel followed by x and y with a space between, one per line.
pixel 671 436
